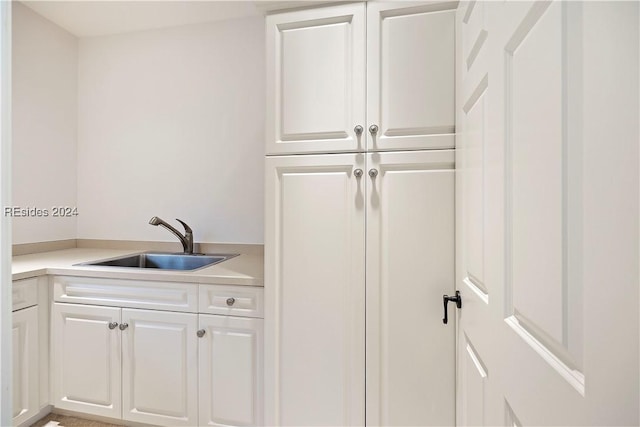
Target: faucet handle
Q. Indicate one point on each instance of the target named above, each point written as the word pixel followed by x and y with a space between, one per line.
pixel 187 229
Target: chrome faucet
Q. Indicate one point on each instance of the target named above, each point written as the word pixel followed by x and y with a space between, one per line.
pixel 186 240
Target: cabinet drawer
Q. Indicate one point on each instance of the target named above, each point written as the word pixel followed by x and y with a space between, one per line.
pixel 126 293
pixel 25 293
pixel 232 300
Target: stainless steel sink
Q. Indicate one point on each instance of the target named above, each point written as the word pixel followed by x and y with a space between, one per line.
pixel 162 261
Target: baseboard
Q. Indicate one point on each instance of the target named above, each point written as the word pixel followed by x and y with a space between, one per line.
pixel 41 414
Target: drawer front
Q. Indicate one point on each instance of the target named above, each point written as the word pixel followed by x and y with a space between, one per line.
pixel 126 293
pixel 25 293
pixel 242 301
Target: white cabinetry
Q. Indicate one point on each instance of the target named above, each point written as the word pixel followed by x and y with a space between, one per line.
pixel 332 80
pixel 410 75
pixel 85 359
pixel 315 80
pixel 25 364
pixel 156 366
pixel 159 367
pixel 138 365
pixel 314 296
pixel 315 289
pixel 410 265
pixel 230 371
pixel 30 349
pixel 367 196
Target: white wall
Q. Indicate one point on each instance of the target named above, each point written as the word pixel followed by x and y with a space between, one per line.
pixel 44 102
pixel 171 123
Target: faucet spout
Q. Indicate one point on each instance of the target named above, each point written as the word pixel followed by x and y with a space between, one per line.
pixel 186 239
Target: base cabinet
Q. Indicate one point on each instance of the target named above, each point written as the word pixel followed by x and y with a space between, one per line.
pixel 137 365
pixel 25 390
pixel 85 359
pixel 230 371
pixel 158 367
pixel 30 327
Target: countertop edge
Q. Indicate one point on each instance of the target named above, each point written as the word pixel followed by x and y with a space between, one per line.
pixel 236 271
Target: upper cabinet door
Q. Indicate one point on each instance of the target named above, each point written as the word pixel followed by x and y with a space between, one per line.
pixel 316 80
pixel 410 76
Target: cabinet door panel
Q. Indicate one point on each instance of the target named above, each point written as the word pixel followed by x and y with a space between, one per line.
pixel 314 291
pixel 86 359
pixel 230 374
pixel 410 265
pixel 159 368
pixel 315 80
pixel 410 75
pixel 25 364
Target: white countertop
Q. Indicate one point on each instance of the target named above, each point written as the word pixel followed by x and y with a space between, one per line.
pixel 245 269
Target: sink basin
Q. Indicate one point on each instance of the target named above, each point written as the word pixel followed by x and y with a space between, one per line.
pixel 163 261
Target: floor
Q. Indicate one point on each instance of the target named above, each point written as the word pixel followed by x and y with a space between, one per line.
pixel 56 420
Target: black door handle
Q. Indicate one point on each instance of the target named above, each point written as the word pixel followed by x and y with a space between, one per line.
pixel 445 300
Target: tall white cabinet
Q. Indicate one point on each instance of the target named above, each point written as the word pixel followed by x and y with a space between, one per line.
pixel 314 290
pixel 359 244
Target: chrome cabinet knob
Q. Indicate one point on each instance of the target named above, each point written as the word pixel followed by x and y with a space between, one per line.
pixel 200 333
pixel 357 173
pixel 373 129
pixel 124 326
pixel 231 301
pixel 113 325
pixel 373 173
pixel 358 130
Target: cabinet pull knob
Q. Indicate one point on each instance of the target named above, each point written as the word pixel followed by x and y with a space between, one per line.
pixel 123 326
pixel 373 173
pixel 373 129
pixel 357 173
pixel 200 333
pixel 445 300
pixel 113 325
pixel 231 301
pixel 358 130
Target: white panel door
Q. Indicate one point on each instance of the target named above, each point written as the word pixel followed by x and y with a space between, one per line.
pixel 548 213
pixel 410 265
pixel 25 393
pixel 314 290
pixel 85 365
pixel 410 75
pixel 159 367
pixel 316 80
pixel 230 371
pixel 475 338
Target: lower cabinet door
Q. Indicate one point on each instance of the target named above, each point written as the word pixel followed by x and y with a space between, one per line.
pixel 85 355
pixel 230 371
pixel 159 367
pixel 25 364
pixel 315 290
pixel 410 359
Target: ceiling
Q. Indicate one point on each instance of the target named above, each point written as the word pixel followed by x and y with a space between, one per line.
pixel 97 18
